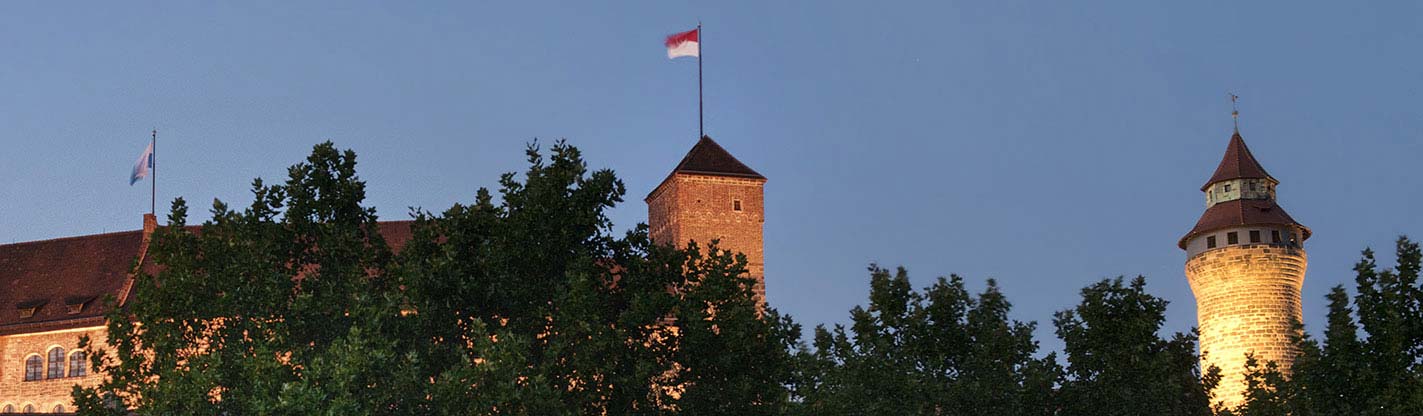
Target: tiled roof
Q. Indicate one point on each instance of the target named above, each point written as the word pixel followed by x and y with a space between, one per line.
pixel 48 274
pixel 1241 212
pixel 709 158
pixel 53 275
pixel 1237 163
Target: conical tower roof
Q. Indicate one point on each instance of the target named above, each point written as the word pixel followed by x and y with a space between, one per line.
pixel 1237 163
pixel 709 158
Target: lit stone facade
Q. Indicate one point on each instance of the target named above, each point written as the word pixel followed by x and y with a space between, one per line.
pixel 45 395
pixel 1246 265
pixel 1247 300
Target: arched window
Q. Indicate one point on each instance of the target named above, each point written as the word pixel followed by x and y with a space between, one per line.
pixel 9 408
pixel 56 362
pixel 59 408
pixel 34 367
pixel 29 408
pixel 76 364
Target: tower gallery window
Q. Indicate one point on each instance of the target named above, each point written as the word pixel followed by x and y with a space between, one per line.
pixel 1210 242
pixel 1232 238
pixel 1254 236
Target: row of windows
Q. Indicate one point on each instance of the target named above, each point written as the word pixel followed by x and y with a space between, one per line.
pixel 29 408
pixel 1226 188
pixel 35 368
pixel 1233 237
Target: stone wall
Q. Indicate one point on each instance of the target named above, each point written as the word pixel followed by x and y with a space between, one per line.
pixel 701 208
pixel 1247 300
pixel 46 393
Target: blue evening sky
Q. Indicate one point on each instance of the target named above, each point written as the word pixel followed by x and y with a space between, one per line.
pixel 1044 144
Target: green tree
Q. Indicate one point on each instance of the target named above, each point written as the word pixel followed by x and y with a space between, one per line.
pixel 1118 365
pixel 942 351
pixel 734 353
pixel 267 310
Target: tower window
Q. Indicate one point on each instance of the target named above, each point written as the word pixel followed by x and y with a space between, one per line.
pixel 1227 187
pixel 1254 236
pixel 736 205
pixel 1275 236
pixel 1210 242
pixel 1232 238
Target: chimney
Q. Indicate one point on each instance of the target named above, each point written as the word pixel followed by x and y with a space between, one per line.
pixel 150 223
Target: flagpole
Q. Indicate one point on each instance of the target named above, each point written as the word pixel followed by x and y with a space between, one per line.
pixel 701 129
pixel 153 181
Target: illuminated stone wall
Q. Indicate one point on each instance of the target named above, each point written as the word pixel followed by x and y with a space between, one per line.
pixel 47 393
pixel 1247 300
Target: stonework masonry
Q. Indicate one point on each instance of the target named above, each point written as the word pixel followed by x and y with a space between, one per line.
pixel 1247 301
pixel 46 394
pixel 701 208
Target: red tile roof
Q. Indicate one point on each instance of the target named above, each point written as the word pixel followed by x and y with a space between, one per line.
pixel 1241 212
pixel 51 274
pixel 1237 163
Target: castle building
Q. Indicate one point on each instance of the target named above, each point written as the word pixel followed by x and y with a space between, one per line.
pixel 712 196
pixel 1246 264
pixel 53 291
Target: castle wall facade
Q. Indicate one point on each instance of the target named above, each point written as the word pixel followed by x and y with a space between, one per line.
pixel 47 394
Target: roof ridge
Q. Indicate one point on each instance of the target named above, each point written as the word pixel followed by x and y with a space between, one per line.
pixel 72 237
pixel 75 237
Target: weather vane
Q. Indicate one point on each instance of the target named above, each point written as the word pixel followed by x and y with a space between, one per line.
pixel 1234 110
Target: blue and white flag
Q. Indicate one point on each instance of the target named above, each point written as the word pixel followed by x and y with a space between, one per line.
pixel 142 166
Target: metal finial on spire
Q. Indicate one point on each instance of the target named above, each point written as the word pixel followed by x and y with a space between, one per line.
pixel 1234 110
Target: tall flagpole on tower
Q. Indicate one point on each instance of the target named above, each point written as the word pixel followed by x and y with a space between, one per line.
pixel 701 129
pixel 153 179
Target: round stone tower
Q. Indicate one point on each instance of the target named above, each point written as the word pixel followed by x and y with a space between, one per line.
pixel 1246 264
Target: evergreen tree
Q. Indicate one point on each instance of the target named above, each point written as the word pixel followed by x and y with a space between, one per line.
pixel 1118 365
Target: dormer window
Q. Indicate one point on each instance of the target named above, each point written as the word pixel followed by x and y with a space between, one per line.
pixel 75 304
pixel 28 309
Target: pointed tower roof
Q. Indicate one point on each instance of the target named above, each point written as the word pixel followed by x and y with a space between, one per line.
pixel 1238 163
pixel 709 158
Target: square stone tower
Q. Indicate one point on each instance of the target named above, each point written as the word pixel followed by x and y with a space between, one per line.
pixel 712 196
pixel 1246 264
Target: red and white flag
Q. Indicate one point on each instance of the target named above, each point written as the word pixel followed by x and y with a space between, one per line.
pixel 684 44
